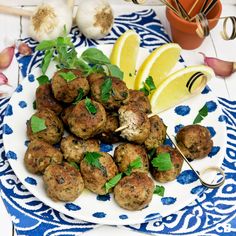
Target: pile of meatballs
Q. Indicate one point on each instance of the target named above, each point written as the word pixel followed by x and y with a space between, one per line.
pixel 51 151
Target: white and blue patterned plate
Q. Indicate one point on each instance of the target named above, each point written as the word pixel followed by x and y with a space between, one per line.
pixel 103 209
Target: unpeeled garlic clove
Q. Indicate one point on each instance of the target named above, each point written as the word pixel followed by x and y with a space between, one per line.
pixel 220 67
pixel 24 49
pixel 6 57
pixel 3 80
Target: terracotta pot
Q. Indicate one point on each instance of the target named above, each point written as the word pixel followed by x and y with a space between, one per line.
pixel 184 32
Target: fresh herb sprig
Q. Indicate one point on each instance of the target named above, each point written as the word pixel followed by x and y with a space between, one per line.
pixel 92 158
pixel 148 86
pixel 68 76
pixel 43 79
pixel 137 163
pixel 112 182
pixel 106 89
pixel 159 190
pixel 37 124
pixel 90 106
pixel 74 164
pixel 162 161
pixel 79 97
pixel 202 113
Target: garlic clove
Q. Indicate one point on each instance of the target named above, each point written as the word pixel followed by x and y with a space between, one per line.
pixel 6 57
pixel 220 67
pixel 4 80
pixel 24 49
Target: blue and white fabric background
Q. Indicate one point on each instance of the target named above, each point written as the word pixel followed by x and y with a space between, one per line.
pixel 213 213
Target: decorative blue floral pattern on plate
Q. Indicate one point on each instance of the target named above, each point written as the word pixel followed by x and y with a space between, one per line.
pixel 201 216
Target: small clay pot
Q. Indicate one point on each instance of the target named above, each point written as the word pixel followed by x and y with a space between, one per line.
pixel 184 32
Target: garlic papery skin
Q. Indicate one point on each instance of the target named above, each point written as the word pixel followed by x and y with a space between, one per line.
pixel 94 18
pixel 49 20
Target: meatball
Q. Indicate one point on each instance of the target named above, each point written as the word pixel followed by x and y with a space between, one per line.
pixel 67 91
pixel 94 177
pixel 136 122
pixel 119 93
pixel 139 100
pixel 65 114
pixel 194 141
pixel 126 153
pixel 177 162
pixel 93 77
pixel 40 155
pixel 134 192
pixel 108 134
pixel 54 127
pixel 45 99
pixel 157 135
pixel 84 124
pixel 63 182
pixel 74 148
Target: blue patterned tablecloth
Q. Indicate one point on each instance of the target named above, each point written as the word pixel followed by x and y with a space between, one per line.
pixel 214 211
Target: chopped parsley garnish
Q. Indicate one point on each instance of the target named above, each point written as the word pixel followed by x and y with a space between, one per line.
pixel 74 164
pixel 79 97
pixel 68 76
pixel 37 124
pixel 159 190
pixel 90 107
pixel 115 71
pixel 162 161
pixel 112 182
pixel 148 86
pixel 137 163
pixel 92 158
pixel 106 89
pixel 43 79
pixel 203 112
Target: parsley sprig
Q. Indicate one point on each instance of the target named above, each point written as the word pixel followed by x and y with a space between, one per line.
pixel 37 124
pixel 79 97
pixel 112 182
pixel 148 86
pixel 137 163
pixel 68 76
pixel 92 158
pixel 162 161
pixel 106 89
pixel 90 106
pixel 202 113
pixel 159 190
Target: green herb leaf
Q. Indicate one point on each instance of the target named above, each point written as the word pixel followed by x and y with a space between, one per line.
pixel 79 97
pixel 34 105
pixel 74 164
pixel 95 56
pixel 37 124
pixel 45 45
pixel 92 158
pixel 151 153
pixel 105 89
pixel 68 76
pixel 148 86
pixel 115 71
pixel 46 60
pixel 137 163
pixel 162 161
pixel 203 112
pixel 43 79
pixel 90 107
pixel 112 182
pixel 159 190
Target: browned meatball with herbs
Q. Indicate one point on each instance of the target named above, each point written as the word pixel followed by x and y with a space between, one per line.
pixel 134 192
pixel 85 122
pixel 68 90
pixel 136 122
pixel 63 182
pixel 65 114
pixel 45 99
pixel 53 130
pixel 164 176
pixel 93 77
pixel 118 94
pixel 157 135
pixel 127 153
pixel 139 100
pixel 96 176
pixel 194 141
pixel 108 134
pixel 74 148
pixel 39 155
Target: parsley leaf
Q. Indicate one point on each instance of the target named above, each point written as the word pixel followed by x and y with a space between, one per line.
pixel 92 158
pixel 115 71
pixel 90 107
pixel 162 161
pixel 151 153
pixel 95 56
pixel 203 112
pixel 45 45
pixel 46 60
pixel 112 182
pixel 43 79
pixel 159 190
pixel 68 76
pixel 37 124
pixel 148 86
pixel 74 164
pixel 79 97
pixel 137 163
pixel 105 89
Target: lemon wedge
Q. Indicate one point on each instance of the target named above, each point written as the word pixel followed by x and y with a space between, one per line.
pixel 124 55
pixel 179 86
pixel 158 64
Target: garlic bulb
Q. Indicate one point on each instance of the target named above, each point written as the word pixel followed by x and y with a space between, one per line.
pixel 94 18
pixel 49 20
